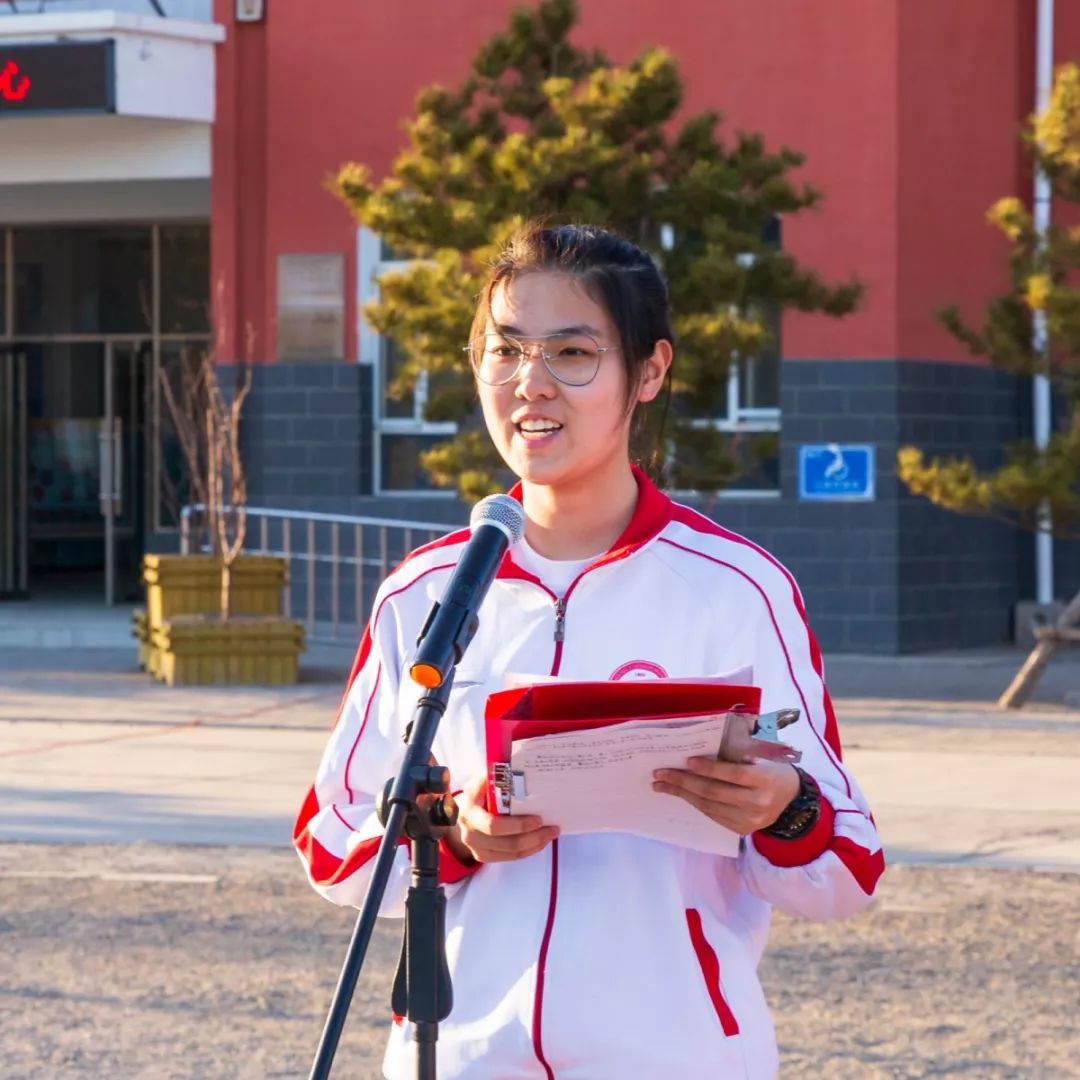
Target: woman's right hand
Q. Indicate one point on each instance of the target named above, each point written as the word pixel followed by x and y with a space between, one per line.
pixel 481 836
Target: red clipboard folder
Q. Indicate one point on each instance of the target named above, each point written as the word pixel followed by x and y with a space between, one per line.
pixel 549 708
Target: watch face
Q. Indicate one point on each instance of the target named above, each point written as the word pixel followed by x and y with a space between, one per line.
pixel 802 812
pixel 802 820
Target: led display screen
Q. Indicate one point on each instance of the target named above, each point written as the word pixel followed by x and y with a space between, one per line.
pixel 59 77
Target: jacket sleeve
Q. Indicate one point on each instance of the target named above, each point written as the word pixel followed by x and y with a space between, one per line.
pixel 337 831
pixel 833 870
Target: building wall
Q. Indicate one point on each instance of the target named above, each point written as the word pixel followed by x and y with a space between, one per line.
pixel 824 86
pixel 892 575
pixel 908 112
pixel 305 426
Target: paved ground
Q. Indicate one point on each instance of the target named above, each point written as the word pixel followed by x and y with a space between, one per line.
pixel 153 924
pixel 92 750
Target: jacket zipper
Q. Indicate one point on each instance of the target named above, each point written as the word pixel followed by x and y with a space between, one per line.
pixel 541 963
pixel 560 633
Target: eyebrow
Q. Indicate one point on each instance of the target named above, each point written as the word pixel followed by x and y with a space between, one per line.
pixel 516 331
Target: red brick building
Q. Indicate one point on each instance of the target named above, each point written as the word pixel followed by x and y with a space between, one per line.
pixel 908 111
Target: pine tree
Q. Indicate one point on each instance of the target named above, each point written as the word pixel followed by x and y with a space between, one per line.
pixel 542 128
pixel 1043 278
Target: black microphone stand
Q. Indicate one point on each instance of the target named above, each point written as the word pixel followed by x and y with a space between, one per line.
pixel 416 802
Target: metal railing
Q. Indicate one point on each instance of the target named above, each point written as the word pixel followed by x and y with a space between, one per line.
pixel 336 562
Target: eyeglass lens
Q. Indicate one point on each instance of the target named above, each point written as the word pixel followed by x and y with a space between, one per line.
pixel 571 358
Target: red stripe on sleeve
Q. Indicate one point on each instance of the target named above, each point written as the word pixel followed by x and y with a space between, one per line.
pixel 327 868
pixel 863 865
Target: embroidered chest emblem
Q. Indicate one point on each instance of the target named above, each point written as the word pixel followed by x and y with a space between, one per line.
pixel 638 669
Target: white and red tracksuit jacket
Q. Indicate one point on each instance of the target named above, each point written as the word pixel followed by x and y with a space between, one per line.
pixel 605 956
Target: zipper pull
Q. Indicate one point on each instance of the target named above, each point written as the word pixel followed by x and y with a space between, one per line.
pixel 560 619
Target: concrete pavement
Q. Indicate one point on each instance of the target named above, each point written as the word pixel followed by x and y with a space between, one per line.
pixel 91 750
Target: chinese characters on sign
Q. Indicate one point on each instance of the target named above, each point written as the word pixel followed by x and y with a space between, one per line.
pixel 13 83
pixel 57 77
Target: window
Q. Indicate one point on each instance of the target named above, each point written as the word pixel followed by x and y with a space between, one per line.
pixel 83 279
pixel 185 279
pixel 751 412
pixel 401 432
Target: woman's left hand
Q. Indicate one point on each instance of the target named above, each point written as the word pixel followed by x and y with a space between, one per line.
pixel 742 798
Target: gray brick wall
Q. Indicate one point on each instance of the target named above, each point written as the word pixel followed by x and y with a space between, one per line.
pixel 889 576
pixel 898 574
pixel 959 577
pixel 306 432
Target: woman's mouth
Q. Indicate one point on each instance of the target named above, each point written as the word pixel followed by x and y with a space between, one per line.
pixel 537 431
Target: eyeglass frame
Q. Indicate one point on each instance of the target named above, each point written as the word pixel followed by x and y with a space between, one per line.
pixel 545 356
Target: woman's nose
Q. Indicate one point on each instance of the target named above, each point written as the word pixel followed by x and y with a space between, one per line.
pixel 533 378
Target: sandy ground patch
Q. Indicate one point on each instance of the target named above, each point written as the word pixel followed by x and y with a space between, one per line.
pixel 153 962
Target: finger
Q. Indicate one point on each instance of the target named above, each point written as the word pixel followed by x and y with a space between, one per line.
pixel 502 824
pixel 729 817
pixel 488 848
pixel 729 771
pixel 476 788
pixel 534 842
pixel 497 832
pixel 714 790
pixel 498 842
pixel 474 803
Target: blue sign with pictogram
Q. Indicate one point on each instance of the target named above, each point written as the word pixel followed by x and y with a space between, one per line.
pixel 836 472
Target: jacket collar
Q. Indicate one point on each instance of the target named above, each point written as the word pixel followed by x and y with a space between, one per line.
pixel 652 513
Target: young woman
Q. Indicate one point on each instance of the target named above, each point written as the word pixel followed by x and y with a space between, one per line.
pixel 605 955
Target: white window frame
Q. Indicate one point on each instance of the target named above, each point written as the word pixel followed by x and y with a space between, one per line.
pixel 370 265
pixel 741 419
pixel 738 418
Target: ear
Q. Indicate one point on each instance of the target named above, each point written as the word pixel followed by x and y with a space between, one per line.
pixel 654 370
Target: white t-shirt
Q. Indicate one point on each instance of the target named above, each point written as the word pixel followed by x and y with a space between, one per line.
pixel 556 574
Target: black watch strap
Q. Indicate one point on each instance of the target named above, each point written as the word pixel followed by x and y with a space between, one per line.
pixel 801 814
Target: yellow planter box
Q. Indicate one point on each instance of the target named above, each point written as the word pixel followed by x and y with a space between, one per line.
pixel 140 630
pixel 246 650
pixel 191 585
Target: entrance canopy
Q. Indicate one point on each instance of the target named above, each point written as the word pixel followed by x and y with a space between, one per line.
pixel 107 61
pixel 105 122
pixel 105 107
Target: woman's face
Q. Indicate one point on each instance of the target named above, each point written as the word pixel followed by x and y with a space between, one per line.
pixel 549 433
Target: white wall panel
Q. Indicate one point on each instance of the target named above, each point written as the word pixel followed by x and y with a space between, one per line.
pixel 58 149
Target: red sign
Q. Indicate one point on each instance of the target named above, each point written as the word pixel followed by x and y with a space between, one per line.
pixel 13 83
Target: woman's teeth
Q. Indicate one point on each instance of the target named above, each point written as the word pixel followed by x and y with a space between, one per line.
pixel 538 427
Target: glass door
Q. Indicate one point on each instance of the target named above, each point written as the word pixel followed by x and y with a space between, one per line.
pixel 14 476
pixel 121 464
pixel 85 430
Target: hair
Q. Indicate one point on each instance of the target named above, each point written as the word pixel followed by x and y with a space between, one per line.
pixel 616 273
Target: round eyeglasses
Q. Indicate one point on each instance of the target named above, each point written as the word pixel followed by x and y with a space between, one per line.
pixel 573 359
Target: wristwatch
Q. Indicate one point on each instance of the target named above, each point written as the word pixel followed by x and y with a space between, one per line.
pixel 801 814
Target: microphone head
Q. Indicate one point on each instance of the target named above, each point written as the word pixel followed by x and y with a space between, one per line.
pixel 502 511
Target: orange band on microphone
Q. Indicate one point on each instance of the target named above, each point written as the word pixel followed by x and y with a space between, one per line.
pixel 426 676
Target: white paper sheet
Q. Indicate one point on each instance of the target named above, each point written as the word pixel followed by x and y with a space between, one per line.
pixel 601 780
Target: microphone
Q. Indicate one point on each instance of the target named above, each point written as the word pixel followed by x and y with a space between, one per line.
pixel 497 523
